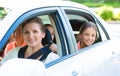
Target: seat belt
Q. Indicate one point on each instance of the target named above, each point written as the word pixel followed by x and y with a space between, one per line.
pixel 43 51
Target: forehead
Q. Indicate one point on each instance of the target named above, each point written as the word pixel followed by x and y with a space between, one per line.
pixel 90 30
pixel 32 25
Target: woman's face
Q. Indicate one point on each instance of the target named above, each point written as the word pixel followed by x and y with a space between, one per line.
pixel 32 34
pixel 88 36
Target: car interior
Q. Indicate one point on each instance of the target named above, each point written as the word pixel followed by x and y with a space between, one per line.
pixel 46 41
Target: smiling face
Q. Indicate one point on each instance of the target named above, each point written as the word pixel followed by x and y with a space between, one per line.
pixel 33 34
pixel 88 37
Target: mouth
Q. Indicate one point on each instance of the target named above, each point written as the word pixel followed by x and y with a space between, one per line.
pixel 30 41
pixel 89 42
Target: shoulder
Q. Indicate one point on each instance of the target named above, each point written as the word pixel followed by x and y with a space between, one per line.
pixel 78 45
pixel 15 50
pixel 51 57
pixel 11 43
pixel 11 54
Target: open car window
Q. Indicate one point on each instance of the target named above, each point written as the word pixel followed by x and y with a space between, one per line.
pixel 46 19
pixel 77 20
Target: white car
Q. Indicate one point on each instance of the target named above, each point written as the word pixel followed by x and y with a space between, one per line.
pixel 100 59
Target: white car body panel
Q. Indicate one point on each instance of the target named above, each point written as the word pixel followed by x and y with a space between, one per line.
pixel 73 68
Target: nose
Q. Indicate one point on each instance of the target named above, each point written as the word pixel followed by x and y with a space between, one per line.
pixel 30 35
pixel 90 37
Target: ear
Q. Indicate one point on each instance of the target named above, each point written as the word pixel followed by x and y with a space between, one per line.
pixel 80 35
pixel 97 36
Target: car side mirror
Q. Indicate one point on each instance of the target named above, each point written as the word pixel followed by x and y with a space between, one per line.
pixel 22 67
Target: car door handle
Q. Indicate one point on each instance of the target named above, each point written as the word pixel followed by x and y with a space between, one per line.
pixel 74 73
pixel 113 55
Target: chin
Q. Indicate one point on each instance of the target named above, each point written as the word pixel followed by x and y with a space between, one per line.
pixel 88 44
pixel 31 45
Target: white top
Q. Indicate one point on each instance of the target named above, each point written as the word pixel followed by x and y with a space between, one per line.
pixel 14 54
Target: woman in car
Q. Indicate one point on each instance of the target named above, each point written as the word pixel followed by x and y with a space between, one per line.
pixel 87 35
pixel 33 33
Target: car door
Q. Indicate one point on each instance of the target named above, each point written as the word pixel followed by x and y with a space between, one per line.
pixel 97 59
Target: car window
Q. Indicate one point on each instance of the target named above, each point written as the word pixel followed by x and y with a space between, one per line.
pixel 77 18
pixel 76 22
pixel 46 19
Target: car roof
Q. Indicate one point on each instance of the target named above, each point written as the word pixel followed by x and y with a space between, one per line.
pixel 15 4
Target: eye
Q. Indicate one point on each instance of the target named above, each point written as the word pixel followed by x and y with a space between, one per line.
pixel 93 35
pixel 26 32
pixel 35 31
pixel 86 34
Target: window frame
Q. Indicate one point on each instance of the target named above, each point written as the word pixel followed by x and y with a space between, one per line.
pixel 76 11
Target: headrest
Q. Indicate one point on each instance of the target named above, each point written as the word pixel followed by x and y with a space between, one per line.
pixel 47 40
pixel 76 24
